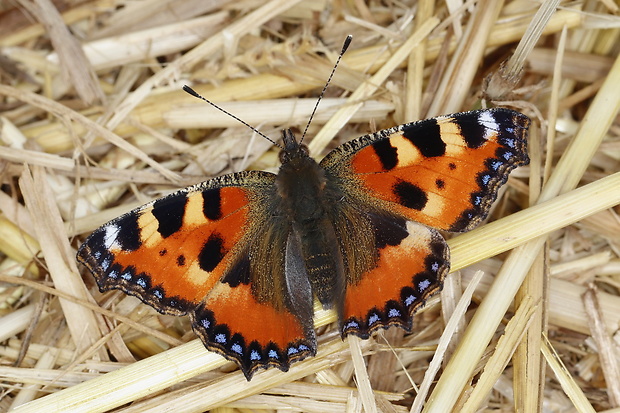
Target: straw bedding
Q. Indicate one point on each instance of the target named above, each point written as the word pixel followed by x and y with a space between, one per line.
pixel 94 122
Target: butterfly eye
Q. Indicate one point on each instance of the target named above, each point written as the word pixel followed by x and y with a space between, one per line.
pixel 292 148
pixel 284 157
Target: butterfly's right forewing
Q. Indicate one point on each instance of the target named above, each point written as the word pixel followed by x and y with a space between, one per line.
pixel 214 252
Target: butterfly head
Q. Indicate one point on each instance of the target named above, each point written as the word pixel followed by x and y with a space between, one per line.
pixel 292 148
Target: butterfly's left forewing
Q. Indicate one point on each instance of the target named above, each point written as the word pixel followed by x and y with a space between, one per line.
pixel 444 172
pixel 189 253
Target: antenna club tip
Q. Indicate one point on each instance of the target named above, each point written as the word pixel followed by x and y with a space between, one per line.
pixel 190 91
pixel 346 44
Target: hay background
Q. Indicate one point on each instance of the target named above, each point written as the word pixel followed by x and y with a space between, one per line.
pixel 90 132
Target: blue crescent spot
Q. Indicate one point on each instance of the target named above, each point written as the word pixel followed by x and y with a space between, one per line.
pixel 496 165
pixel 423 285
pixel 373 319
pixel 220 338
pixel 237 348
pixel 410 300
pixel 352 324
pixel 292 350
pixel 393 313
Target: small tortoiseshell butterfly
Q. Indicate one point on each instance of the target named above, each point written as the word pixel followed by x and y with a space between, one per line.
pixel 245 254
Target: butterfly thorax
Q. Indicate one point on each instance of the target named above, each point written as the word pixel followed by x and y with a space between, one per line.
pixel 304 196
pixel 300 183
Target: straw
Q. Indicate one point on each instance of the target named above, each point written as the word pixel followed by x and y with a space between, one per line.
pixel 94 122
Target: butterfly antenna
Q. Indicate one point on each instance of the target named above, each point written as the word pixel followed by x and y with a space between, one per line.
pixel 196 94
pixel 345 46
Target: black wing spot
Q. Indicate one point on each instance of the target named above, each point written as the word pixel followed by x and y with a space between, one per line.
pixel 181 260
pixel 212 204
pixel 440 183
pixel 387 154
pixel 426 136
pixel 410 195
pixel 128 236
pixel 507 118
pixel 473 132
pixel 169 213
pixel 212 252
pixel 239 273
pixel 391 233
pixel 452 166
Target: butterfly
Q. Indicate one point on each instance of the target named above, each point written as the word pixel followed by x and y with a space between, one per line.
pixel 245 254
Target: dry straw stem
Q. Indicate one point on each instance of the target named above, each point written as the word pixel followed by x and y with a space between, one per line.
pixel 451 326
pixel 565 307
pixel 506 346
pixel 18 245
pixel 74 65
pixel 463 65
pixel 163 370
pixel 502 82
pixel 415 66
pixel 571 388
pixel 279 111
pixel 268 60
pixel 59 257
pixel 89 305
pixel 361 374
pixel 605 344
pixel 135 46
pixel 66 114
pixel 528 385
pixel 529 369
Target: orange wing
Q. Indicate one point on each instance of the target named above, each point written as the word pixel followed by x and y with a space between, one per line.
pixel 412 262
pixel 443 172
pixel 187 254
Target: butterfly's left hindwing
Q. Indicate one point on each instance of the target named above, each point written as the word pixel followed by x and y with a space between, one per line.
pixel 411 264
pixel 189 253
